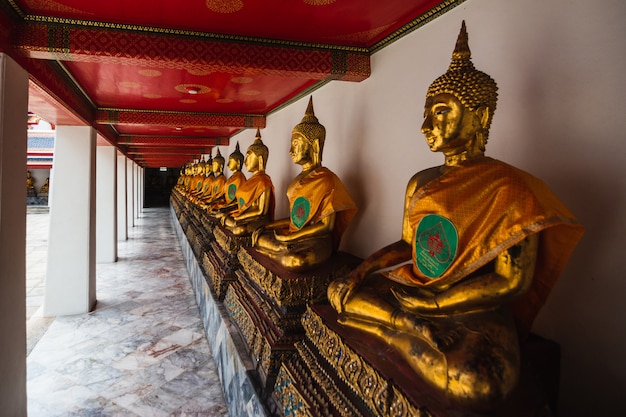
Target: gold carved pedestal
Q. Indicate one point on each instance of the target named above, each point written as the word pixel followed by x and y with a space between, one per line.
pixel 220 260
pixel 267 302
pixel 338 371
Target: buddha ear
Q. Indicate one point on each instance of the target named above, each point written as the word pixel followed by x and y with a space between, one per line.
pixel 261 163
pixel 483 116
pixel 316 154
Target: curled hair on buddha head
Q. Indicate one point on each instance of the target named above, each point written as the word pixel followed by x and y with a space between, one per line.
pixel 473 88
pixel 312 130
pixel 219 158
pixel 237 155
pixel 259 148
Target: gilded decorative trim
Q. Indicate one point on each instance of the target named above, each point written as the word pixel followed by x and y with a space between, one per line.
pixel 420 21
pixel 246 40
pixel 337 398
pixel 307 288
pixel 292 402
pixel 379 395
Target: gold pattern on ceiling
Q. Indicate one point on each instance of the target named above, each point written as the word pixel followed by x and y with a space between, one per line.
pixel 53 6
pixel 224 6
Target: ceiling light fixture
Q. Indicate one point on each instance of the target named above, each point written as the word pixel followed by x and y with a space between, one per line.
pixel 192 90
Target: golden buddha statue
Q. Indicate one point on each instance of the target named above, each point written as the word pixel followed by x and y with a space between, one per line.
pixel 219 179
pixel 187 179
pixel 320 206
pixel 225 200
pixel 30 185
pixel 198 179
pixel 204 183
pixel 181 178
pixel 255 196
pixel 486 243
pixel 43 191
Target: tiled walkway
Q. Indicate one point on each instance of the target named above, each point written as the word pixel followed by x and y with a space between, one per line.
pixel 142 351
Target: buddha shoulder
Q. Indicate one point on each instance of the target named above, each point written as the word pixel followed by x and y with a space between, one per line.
pixel 421 178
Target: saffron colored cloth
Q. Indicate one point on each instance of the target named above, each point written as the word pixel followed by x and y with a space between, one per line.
pixel 252 189
pixel 317 195
pixel 205 191
pixel 197 181
pixel 493 206
pixel 231 186
pixel 216 187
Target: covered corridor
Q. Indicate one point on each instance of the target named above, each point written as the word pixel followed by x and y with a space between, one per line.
pixel 142 351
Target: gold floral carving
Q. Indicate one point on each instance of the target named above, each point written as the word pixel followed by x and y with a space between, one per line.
pixel 292 403
pixel 337 398
pixel 379 395
pixel 305 289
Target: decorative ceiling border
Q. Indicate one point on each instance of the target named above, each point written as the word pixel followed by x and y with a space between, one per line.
pixel 416 23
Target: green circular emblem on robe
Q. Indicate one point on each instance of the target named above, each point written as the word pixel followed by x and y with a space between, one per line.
pixel 232 191
pixel 300 211
pixel 217 187
pixel 242 202
pixel 436 243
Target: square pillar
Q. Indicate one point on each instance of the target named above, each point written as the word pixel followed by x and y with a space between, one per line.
pixel 70 286
pixel 13 126
pixel 106 204
pixel 122 211
pixel 130 191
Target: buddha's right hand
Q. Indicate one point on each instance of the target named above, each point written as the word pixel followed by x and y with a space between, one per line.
pixel 341 290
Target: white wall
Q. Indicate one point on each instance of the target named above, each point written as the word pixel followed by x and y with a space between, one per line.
pixel 560 68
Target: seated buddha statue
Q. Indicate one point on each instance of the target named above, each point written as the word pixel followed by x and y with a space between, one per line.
pixel 30 185
pixel 319 205
pixel 482 245
pixel 186 179
pixel 225 200
pixel 255 196
pixel 219 179
pixel 198 180
pixel 45 188
pixel 204 182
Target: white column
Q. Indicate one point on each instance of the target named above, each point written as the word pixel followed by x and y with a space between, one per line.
pixel 13 111
pixel 129 192
pixel 141 188
pixel 136 190
pixel 122 211
pixel 106 204
pixel 70 286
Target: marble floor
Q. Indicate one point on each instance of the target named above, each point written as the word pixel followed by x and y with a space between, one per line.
pixel 142 351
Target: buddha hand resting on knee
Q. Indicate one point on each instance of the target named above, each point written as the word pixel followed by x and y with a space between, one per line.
pixel 320 206
pixel 485 243
pixel 255 196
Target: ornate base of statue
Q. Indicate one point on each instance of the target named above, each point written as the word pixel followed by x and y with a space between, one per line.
pixel 220 261
pixel 344 372
pixel 267 302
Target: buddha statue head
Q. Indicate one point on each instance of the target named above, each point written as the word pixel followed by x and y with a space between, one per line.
pixel 474 90
pixel 308 135
pixel 256 157
pixel 208 169
pixel 218 163
pixel 235 160
pixel 200 167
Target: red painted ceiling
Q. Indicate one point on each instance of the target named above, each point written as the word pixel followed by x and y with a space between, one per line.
pixel 165 81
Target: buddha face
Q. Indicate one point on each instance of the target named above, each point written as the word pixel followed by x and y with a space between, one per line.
pixel 217 167
pixel 300 150
pixel 448 126
pixel 251 162
pixel 233 164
